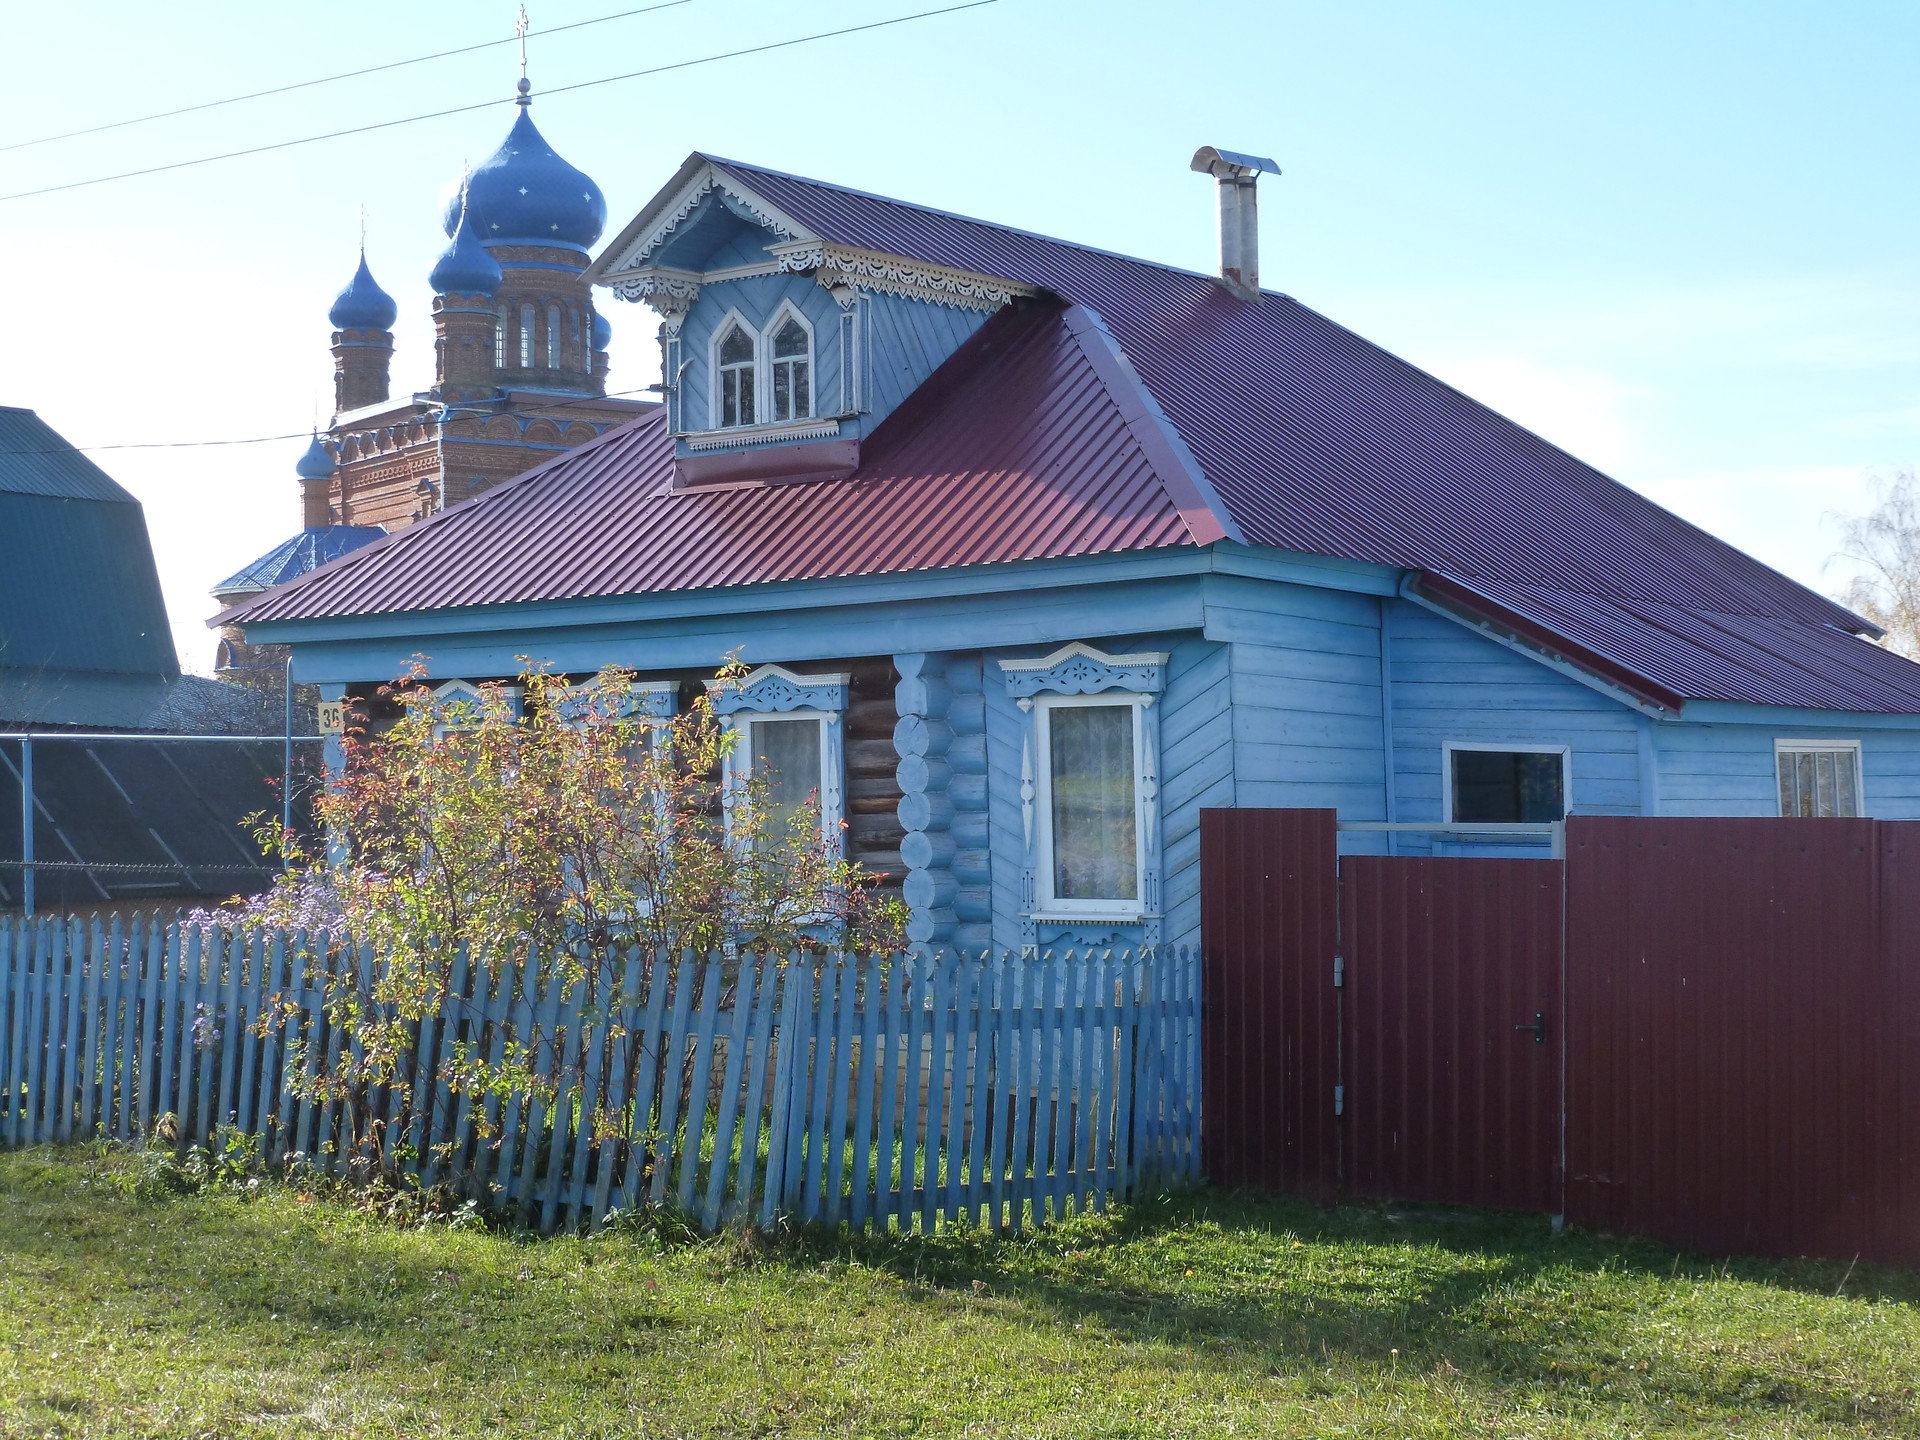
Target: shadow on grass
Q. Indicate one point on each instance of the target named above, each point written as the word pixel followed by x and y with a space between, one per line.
pixel 1228 1282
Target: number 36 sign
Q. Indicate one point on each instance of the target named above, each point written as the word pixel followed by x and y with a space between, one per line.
pixel 333 717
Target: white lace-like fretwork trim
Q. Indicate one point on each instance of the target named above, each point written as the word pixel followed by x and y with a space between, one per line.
pixel 897 275
pixel 689 202
pixel 762 434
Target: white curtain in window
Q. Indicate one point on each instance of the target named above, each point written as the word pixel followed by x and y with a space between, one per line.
pixel 788 753
pixel 1091 783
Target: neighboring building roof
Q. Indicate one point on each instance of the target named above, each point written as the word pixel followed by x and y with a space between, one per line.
pixel 362 304
pixel 525 193
pixel 1301 436
pixel 79 590
pixel 294 557
pixel 36 460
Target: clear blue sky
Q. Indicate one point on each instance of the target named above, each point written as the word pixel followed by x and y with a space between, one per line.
pixel 1679 239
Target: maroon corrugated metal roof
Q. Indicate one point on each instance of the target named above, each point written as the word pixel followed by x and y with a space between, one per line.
pixel 1308 437
pixel 1014 450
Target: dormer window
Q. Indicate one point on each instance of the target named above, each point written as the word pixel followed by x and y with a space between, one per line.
pixel 736 365
pixel 792 364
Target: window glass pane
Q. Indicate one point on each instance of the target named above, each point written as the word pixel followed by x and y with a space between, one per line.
pixel 790 339
pixel 1507 787
pixel 553 337
pixel 729 397
pixel 802 401
pixel 1091 779
pixel 526 337
pixel 736 348
pixel 782 393
pixel 1819 783
pixel 788 752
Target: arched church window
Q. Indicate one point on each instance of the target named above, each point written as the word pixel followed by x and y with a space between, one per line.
pixel 553 337
pixel 500 338
pixel 736 376
pixel 526 337
pixel 792 384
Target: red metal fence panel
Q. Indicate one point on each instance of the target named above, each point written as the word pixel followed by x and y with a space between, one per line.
pixel 1740 1026
pixel 1451 1020
pixel 1269 1027
pixel 1893 1203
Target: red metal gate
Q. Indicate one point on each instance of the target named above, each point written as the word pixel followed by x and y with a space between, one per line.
pixel 1451 1029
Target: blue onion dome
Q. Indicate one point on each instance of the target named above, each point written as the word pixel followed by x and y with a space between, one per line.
pixel 524 192
pixel 602 331
pixel 465 267
pixel 363 305
pixel 316 464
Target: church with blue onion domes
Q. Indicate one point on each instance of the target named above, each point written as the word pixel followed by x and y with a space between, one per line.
pixel 519 365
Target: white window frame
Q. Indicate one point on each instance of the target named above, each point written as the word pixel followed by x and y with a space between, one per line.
pixel 786 311
pixel 1509 747
pixel 1049 907
pixel 500 337
pixel 1781 747
pixel 716 384
pixel 466 692
pixel 740 760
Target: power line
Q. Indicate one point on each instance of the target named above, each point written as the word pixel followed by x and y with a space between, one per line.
pixel 330 79
pixel 470 406
pixel 488 104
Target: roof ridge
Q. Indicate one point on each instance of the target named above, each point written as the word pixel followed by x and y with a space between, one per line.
pixel 970 220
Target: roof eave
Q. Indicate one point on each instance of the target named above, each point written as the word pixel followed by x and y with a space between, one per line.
pixel 1446 593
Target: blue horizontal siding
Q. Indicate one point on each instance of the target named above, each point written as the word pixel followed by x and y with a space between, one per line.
pixel 1724 769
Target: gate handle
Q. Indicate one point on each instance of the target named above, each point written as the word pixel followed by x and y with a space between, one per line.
pixel 1538 1027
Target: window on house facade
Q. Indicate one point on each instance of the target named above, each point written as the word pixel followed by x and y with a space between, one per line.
pixel 1495 785
pixel 500 338
pixel 788 729
pixel 792 367
pixel 1090 802
pixel 790 751
pixel 1819 778
pixel 736 363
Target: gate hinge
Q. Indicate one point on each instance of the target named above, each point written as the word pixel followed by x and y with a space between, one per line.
pixel 1339 971
pixel 1339 1099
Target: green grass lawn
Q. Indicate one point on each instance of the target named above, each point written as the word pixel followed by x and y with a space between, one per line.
pixel 217 1314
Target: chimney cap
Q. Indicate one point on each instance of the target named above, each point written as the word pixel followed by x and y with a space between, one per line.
pixel 1209 160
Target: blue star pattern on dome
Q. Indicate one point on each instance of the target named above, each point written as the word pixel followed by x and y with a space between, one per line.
pixel 465 267
pixel 524 191
pixel 363 305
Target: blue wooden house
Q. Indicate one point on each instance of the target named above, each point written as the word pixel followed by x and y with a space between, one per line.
pixel 1039 549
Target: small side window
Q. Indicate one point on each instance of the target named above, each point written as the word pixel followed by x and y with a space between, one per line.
pixel 1819 779
pixel 1492 786
pixel 736 358
pixel 792 384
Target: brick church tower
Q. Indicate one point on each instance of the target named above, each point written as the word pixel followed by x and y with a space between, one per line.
pixel 520 359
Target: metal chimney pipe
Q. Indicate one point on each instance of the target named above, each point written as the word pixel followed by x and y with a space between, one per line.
pixel 1239 216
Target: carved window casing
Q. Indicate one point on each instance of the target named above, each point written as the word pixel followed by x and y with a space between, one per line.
pixel 1090 788
pixel 735 364
pixel 793 726
pixel 460 702
pixel 789 345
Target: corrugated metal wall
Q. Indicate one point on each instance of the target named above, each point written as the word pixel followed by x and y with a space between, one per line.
pixel 1742 1028
pixel 1446 1098
pixel 1269 1023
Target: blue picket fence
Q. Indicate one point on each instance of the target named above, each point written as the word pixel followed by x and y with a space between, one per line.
pixel 901 1091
